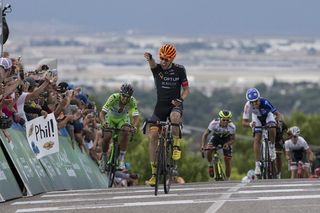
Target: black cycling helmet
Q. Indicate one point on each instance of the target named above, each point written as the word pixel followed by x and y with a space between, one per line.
pixel 126 89
pixel 225 114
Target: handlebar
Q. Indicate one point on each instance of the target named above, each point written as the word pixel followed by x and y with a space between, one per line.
pixel 213 148
pixel 118 129
pixel 159 123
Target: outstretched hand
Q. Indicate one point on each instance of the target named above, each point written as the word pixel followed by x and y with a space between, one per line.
pixel 148 56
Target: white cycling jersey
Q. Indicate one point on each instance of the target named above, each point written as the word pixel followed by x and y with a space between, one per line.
pixel 216 129
pixel 301 143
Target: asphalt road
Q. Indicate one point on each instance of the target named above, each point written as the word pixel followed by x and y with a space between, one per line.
pixel 259 196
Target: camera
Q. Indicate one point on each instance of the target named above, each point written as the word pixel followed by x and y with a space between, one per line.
pixel 44 94
pixel 44 67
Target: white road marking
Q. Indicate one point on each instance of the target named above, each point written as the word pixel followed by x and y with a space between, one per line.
pixel 177 202
pixel 132 192
pixel 284 185
pixel 216 206
pixel 95 206
pixel 162 195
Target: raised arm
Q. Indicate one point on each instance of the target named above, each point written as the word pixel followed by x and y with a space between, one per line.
pixel 150 59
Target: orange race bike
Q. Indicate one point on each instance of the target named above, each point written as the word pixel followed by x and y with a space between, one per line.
pixel 166 166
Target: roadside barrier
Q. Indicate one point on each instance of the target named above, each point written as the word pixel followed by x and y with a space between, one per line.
pixel 67 169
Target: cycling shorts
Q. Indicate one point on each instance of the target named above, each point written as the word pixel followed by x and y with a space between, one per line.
pixel 216 141
pixel 263 121
pixel 294 165
pixel 162 110
pixel 117 121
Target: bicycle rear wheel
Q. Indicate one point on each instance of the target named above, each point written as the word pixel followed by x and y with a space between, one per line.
pixel 160 166
pixel 266 160
pixel 169 166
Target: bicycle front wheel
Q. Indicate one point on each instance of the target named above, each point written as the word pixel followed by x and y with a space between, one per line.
pixel 169 167
pixel 111 166
pixel 160 165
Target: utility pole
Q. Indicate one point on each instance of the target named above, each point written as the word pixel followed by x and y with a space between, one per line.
pixel 1 27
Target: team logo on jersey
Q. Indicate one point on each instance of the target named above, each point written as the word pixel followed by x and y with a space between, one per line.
pixel 161 75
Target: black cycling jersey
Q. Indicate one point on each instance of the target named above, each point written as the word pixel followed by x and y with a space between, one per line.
pixel 279 136
pixel 299 155
pixel 168 82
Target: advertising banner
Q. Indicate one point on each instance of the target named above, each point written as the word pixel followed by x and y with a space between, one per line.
pixel 9 188
pixel 31 172
pixel 42 135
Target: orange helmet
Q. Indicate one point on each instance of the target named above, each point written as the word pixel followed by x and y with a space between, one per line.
pixel 167 51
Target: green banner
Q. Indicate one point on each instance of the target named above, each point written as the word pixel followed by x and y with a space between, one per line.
pixel 33 175
pixel 63 167
pixel 85 168
pixel 69 168
pixel 9 188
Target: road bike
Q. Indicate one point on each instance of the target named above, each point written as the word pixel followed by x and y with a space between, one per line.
pixel 300 172
pixel 112 163
pixel 217 163
pixel 268 167
pixel 166 166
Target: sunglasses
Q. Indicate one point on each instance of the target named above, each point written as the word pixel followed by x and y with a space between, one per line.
pixel 164 59
pixel 254 102
pixel 125 95
pixel 225 120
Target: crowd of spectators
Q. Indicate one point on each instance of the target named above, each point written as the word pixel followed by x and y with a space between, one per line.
pixel 25 95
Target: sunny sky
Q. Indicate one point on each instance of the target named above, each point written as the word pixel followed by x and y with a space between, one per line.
pixel 181 17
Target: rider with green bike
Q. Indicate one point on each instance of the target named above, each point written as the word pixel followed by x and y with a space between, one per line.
pixel 223 134
pixel 116 113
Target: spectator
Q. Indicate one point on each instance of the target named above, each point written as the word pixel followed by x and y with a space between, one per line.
pixel 125 178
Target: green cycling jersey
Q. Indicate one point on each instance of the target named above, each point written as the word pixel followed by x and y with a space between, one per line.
pixel 116 113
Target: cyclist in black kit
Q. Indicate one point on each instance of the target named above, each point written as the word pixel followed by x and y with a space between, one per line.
pixel 169 78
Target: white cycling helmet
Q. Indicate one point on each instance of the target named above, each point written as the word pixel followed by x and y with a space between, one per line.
pixel 294 131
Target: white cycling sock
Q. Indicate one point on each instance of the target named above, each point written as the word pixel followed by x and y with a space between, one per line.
pixel 122 155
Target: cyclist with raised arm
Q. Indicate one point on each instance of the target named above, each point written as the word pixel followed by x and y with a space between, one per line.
pixel 262 113
pixel 223 133
pixel 116 113
pixel 169 78
pixel 297 149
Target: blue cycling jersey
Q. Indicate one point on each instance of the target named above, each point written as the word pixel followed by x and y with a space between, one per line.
pixel 263 110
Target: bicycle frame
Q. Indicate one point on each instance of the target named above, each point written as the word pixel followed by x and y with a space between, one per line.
pixel 267 166
pixel 300 171
pixel 220 175
pixel 165 164
pixel 112 162
pixel 217 164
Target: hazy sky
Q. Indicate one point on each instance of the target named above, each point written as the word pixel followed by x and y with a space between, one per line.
pixel 181 17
